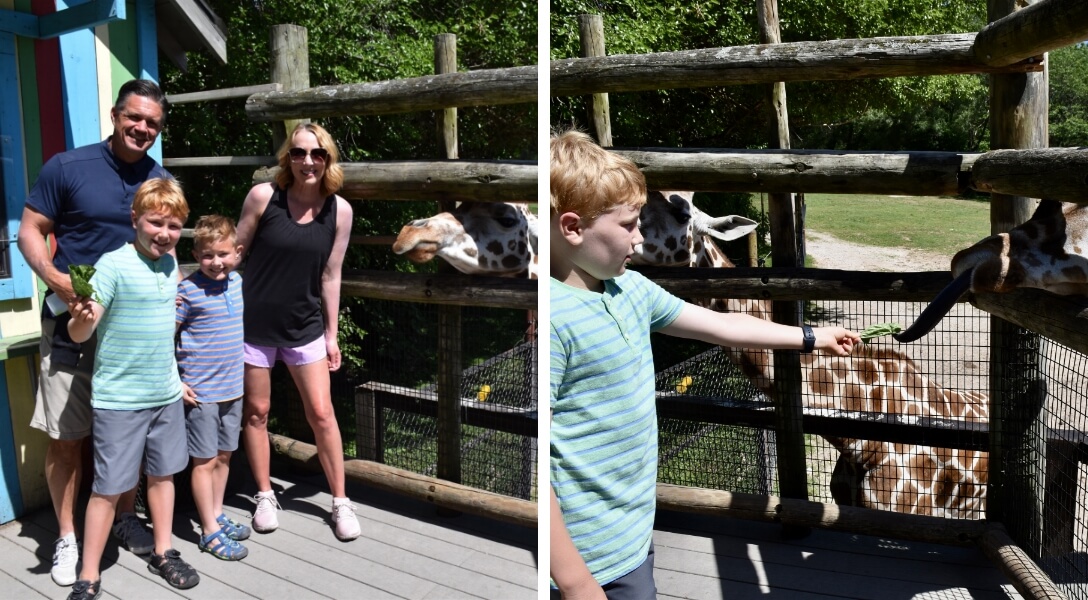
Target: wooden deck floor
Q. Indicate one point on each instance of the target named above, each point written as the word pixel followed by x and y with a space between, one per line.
pixel 709 559
pixel 406 551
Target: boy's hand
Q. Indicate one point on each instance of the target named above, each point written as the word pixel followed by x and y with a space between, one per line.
pixel 836 340
pixel 82 310
pixel 188 396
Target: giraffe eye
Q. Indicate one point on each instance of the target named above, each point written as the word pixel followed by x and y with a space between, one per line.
pixel 507 221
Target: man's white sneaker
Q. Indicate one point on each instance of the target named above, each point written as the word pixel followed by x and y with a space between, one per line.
pixel 343 515
pixel 65 557
pixel 264 517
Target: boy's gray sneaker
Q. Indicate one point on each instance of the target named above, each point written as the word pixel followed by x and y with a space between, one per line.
pixel 65 557
pixel 132 535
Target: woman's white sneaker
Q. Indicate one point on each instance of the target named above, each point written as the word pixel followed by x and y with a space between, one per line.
pixel 343 516
pixel 264 517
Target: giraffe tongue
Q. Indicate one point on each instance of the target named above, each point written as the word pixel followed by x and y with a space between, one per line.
pixel 937 309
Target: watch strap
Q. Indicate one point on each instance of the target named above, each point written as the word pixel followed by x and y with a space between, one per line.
pixel 809 339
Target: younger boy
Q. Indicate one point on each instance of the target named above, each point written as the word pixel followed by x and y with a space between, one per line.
pixel 135 388
pixel 604 420
pixel 210 359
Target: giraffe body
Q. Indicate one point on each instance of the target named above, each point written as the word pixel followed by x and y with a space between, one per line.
pixel 906 478
pixel 477 238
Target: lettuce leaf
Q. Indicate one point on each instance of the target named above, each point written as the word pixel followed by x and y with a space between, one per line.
pixel 81 281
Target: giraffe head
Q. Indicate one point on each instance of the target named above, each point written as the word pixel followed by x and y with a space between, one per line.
pixel 675 232
pixel 1049 251
pixel 477 238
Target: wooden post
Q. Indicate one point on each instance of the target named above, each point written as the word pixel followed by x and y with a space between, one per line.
pixel 1018 119
pixel 591 36
pixel 792 470
pixel 449 317
pixel 290 68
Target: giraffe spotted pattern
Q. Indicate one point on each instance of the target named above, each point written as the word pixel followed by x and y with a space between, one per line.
pixel 906 478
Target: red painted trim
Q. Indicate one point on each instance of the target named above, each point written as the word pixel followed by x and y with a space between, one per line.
pixel 47 73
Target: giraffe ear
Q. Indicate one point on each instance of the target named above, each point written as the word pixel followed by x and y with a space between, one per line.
pixel 725 229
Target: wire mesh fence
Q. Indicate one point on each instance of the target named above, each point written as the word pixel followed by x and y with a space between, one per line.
pixel 399 365
pixel 715 424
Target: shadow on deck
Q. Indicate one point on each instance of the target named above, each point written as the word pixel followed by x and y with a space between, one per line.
pixel 406 551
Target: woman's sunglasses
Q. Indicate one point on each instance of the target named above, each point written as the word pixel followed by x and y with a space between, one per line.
pixel 299 154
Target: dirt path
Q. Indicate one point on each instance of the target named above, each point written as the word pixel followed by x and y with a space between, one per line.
pixel 829 252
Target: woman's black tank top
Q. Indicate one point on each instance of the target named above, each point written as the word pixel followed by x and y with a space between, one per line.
pixel 281 284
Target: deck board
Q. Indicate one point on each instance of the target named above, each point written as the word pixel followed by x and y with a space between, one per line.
pixel 406 551
pixel 709 559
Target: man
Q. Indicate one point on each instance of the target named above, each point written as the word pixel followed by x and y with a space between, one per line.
pixel 83 197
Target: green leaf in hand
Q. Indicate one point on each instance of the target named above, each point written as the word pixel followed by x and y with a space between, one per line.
pixel 81 281
pixel 879 330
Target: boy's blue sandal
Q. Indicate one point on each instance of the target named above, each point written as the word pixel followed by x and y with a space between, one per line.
pixel 235 530
pixel 225 549
pixel 175 571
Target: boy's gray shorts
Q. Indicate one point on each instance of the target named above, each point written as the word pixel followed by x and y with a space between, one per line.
pixel 213 427
pixel 122 438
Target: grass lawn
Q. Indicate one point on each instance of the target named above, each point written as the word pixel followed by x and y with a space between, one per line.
pixel 936 224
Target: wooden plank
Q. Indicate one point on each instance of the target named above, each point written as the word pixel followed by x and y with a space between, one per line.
pixel 815 171
pixel 463 290
pixel 78 15
pixel 449 180
pixel 442 493
pixel 79 83
pixel 219 161
pixel 832 60
pixel 484 87
pixel 781 283
pixel 1053 173
pixel 591 42
pixel 223 94
pixel 1032 31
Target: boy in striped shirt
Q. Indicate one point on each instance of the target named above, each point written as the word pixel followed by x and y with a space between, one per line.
pixel 210 360
pixel 136 413
pixel 604 419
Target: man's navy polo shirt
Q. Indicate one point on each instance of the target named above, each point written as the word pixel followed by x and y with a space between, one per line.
pixel 87 193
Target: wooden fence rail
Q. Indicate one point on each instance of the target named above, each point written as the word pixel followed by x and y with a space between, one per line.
pixel 484 87
pixel 947 54
pixel 452 180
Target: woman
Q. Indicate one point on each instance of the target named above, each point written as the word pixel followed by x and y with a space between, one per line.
pixel 295 231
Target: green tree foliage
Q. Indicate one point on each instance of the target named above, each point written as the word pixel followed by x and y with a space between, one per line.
pixel 822 114
pixel 353 41
pixel 1069 96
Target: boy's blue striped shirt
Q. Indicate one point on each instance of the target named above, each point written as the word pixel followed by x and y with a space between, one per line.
pixel 604 417
pixel 211 345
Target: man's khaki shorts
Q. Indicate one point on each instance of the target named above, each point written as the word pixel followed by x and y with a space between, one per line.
pixel 62 406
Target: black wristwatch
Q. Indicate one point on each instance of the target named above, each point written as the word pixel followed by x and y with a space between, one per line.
pixel 810 339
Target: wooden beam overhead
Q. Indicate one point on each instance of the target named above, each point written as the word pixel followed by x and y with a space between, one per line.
pixel 1032 31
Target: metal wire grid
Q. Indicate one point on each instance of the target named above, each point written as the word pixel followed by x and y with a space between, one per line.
pixel 499 377
pixel 703 453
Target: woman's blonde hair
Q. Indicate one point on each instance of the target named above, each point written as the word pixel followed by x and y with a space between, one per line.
pixel 160 195
pixel 333 179
pixel 589 180
pixel 210 229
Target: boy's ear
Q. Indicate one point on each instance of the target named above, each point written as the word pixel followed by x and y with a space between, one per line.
pixel 133 219
pixel 571 227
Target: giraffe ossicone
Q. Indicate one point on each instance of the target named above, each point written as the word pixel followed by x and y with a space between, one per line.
pixel 907 478
pixel 476 238
pixel 1049 251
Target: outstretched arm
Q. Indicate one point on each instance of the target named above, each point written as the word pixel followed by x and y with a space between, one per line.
pixel 738 330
